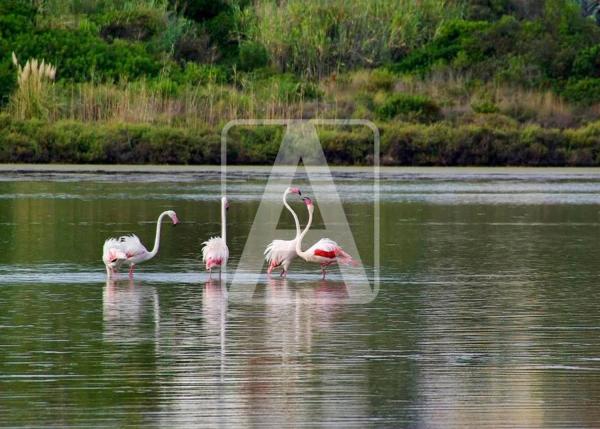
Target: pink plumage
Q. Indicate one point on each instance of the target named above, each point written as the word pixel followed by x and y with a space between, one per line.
pixel 215 252
pixel 324 252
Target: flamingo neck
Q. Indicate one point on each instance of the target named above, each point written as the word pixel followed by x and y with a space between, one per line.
pixel 154 251
pixel 287 206
pixel 299 251
pixel 223 222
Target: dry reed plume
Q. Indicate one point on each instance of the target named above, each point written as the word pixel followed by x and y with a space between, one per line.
pixel 33 94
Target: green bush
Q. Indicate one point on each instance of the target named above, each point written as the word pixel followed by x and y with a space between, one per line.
pixel 585 91
pixel 201 74
pixel 79 54
pixel 253 55
pixel 451 39
pixel 417 107
pixel 347 147
pixel 402 144
pixel 136 24
pixel 487 10
pixel 16 17
pixel 484 106
pixel 587 62
pixel 8 80
pixel 381 79
pixel 201 10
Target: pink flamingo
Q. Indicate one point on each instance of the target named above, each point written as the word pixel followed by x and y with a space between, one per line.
pixel 324 252
pixel 281 253
pixel 215 252
pixel 112 256
pixel 128 249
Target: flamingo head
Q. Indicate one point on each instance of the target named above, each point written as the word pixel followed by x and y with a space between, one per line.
pixel 225 203
pixel 309 204
pixel 293 191
pixel 173 216
pixel 113 258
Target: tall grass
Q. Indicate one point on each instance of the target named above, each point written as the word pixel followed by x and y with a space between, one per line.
pixel 319 37
pixel 33 96
pixel 358 94
pixel 190 106
pixel 67 7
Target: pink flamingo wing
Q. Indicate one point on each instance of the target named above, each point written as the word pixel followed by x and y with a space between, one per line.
pixel 325 253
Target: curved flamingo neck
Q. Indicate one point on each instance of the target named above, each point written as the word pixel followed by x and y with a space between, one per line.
pixel 223 221
pixel 154 251
pixel 301 236
pixel 287 206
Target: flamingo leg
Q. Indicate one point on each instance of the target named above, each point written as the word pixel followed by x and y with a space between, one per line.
pixel 210 273
pixel 323 271
pixel 131 268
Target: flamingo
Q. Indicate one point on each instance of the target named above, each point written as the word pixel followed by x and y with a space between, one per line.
pixel 281 253
pixel 128 249
pixel 324 252
pixel 215 252
pixel 112 256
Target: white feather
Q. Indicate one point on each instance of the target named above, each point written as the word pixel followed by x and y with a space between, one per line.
pixel 132 245
pixel 215 248
pixel 281 252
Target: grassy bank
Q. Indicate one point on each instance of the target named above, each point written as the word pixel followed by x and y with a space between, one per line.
pixel 449 82
pixel 480 143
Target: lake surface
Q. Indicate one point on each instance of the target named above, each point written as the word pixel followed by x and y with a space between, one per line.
pixel 487 315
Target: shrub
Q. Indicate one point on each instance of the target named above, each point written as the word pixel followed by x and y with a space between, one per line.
pixel 450 40
pixel 136 24
pixel 253 55
pixel 484 106
pixel 347 147
pixel 195 46
pixel 201 74
pixel 79 54
pixel 587 62
pixel 16 17
pixel 380 79
pixel 254 145
pixel 201 10
pixel 8 80
pixel 585 91
pixel 488 10
pixel 409 107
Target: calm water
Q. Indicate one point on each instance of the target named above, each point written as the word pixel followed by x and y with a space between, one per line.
pixel 488 313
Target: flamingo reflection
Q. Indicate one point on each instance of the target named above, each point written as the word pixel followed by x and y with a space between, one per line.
pixel 124 305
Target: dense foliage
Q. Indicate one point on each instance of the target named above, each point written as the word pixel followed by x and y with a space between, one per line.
pixel 414 67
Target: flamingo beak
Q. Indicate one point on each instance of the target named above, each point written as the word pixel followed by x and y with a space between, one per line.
pixel 175 220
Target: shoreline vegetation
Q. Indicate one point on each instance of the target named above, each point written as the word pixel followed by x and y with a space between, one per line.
pixel 447 82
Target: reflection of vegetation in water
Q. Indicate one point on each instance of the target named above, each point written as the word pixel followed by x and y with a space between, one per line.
pixel 475 297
